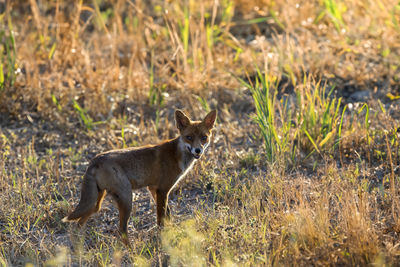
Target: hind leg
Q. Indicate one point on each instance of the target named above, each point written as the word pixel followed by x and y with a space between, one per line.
pixel 124 202
pixel 125 207
pixel 124 214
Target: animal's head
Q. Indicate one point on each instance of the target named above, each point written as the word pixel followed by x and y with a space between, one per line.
pixel 195 134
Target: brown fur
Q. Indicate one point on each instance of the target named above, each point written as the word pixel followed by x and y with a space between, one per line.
pixel 159 167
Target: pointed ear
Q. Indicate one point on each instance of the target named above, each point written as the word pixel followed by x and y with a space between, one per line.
pixel 181 120
pixel 210 119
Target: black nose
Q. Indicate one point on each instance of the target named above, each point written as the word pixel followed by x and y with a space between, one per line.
pixel 197 150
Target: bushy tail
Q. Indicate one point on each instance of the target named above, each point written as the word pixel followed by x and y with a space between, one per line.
pixel 88 201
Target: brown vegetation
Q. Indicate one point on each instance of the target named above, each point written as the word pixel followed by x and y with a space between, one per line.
pixel 309 182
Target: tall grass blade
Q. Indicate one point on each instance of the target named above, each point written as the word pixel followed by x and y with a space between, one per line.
pixel 1 77
pixel 185 30
pixel 311 140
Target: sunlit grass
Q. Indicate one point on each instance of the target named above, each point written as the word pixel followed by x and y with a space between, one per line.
pixel 298 172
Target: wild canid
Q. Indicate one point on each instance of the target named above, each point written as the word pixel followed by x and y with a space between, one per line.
pixel 159 167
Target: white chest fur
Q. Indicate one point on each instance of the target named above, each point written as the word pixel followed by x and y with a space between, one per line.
pixel 185 169
pixel 185 163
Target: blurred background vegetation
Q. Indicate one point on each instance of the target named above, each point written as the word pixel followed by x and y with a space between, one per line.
pixel 103 52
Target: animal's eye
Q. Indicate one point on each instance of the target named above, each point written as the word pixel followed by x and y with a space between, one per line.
pixel 188 137
pixel 204 138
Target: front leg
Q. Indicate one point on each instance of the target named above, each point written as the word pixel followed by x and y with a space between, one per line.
pixel 162 200
pixel 153 193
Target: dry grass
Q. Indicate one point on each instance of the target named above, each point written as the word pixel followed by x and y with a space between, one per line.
pixel 78 79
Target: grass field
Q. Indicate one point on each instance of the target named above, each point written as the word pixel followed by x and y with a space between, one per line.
pixel 304 166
